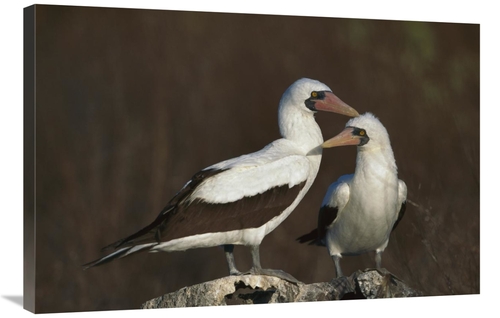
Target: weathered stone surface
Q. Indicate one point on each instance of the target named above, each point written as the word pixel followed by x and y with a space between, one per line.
pixel 382 284
pixel 257 289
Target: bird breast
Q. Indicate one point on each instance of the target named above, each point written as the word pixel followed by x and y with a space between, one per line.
pixel 367 219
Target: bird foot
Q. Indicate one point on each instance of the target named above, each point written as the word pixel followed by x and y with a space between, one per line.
pixel 235 273
pixel 273 272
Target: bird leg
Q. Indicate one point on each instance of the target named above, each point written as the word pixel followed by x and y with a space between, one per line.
pixel 255 250
pixel 378 259
pixel 228 250
pixel 378 264
pixel 258 270
pixel 336 260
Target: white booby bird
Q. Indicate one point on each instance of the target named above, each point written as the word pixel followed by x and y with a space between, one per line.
pixel 360 210
pixel 241 200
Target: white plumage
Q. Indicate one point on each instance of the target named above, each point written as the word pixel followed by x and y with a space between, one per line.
pixel 360 210
pixel 241 200
pixel 277 164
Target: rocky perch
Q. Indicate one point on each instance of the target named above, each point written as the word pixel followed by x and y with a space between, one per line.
pixel 258 289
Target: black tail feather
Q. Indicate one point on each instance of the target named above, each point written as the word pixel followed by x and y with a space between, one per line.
pixel 147 234
pixel 312 238
pixel 115 255
pixel 107 258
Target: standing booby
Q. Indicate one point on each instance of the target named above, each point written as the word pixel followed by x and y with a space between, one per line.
pixel 360 210
pixel 241 200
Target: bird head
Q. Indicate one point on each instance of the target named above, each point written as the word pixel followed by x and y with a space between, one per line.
pixel 364 131
pixel 312 96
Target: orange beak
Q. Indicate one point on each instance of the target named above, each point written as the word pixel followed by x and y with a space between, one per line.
pixel 331 103
pixel 345 138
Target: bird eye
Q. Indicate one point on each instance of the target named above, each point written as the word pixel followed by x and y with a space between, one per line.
pixel 362 132
pixel 314 94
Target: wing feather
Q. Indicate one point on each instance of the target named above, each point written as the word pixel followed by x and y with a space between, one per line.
pixel 402 193
pixel 335 199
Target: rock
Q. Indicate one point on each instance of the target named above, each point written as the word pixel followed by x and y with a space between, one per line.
pixel 258 289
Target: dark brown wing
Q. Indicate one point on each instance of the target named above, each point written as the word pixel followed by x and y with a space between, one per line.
pixel 400 215
pixel 200 217
pixel 326 216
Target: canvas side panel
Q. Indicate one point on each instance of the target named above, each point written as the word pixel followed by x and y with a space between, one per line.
pixel 29 159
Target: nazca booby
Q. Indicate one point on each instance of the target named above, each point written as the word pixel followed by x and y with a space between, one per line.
pixel 241 200
pixel 360 210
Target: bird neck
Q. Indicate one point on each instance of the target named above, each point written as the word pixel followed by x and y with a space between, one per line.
pixel 301 128
pixel 376 164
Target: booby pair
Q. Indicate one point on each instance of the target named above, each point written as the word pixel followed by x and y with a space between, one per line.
pixel 360 210
pixel 241 200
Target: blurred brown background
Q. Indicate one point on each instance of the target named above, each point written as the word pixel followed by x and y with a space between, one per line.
pixel 131 103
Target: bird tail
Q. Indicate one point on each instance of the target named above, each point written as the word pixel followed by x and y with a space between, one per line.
pixel 312 238
pixel 118 254
pixel 148 234
pixel 142 240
